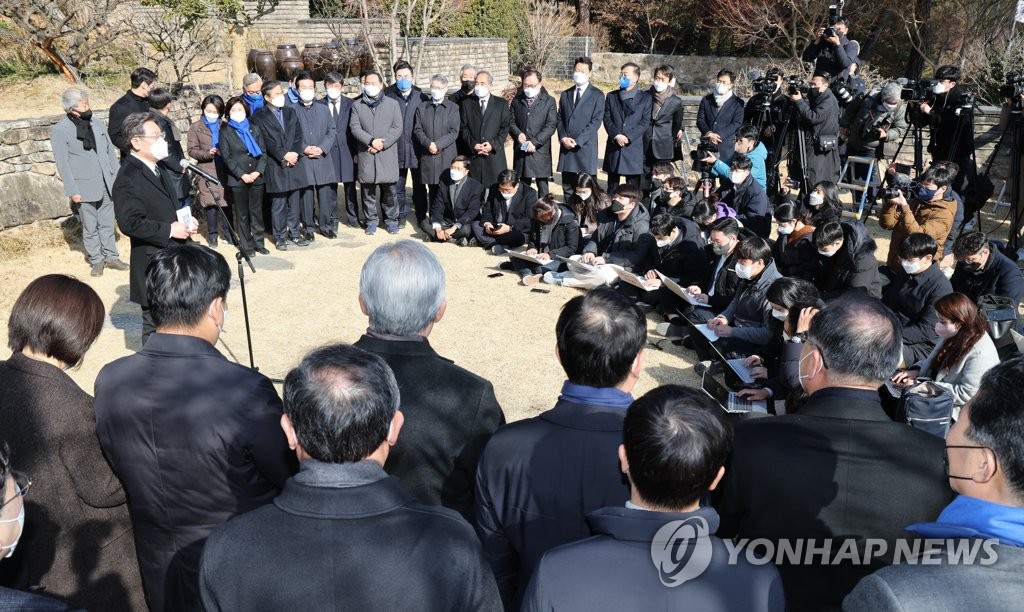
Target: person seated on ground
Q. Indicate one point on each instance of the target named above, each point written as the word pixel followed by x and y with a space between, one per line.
pixel 660 172
pixel 505 216
pixel 962 355
pixel 721 281
pixel 676 252
pixel 621 239
pixel 539 477
pixel 782 382
pixel 846 260
pixel 839 472
pixel 341 529
pixel 745 326
pixel 912 295
pixel 455 206
pixel 587 199
pixel 986 470
pixel 704 215
pixel 932 212
pixel 748 198
pixel 822 202
pixel 674 446
pixel 674 198
pixel 982 269
pixel 746 144
pixel 794 252
pixel 554 233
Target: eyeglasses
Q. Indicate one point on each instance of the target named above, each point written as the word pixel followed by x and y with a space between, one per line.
pixel 945 459
pixel 22 482
pixel 151 136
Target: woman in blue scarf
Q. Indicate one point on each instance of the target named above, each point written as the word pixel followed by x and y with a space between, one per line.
pixel 241 148
pixel 203 142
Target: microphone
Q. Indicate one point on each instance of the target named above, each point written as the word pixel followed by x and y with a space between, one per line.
pixel 186 165
pixel 754 75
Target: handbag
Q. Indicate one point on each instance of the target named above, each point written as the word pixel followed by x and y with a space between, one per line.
pixel 827 142
pixel 926 406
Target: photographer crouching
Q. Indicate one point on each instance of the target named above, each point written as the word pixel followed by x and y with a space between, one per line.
pixel 869 125
pixel 931 211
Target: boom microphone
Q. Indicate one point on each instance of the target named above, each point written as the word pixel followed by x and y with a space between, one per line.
pixel 186 165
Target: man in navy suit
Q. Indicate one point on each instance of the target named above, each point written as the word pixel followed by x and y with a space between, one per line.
pixel 285 172
pixel 341 154
pixel 456 205
pixel 145 206
pixel 627 115
pixel 409 98
pixel 580 112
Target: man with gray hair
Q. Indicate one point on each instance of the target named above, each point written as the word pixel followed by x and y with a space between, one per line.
pixel 450 412
pixel 345 533
pixel 88 166
pixel 436 132
pixel 874 126
pixel 252 94
pixel 485 123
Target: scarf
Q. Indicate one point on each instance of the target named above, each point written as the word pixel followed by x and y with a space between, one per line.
pixel 660 99
pixel 246 136
pixel 255 102
pixel 721 100
pixel 607 396
pixel 969 517
pixel 372 103
pixel 214 129
pixel 548 228
pixel 83 130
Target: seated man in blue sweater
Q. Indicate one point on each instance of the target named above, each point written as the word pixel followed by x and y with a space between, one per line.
pixel 746 144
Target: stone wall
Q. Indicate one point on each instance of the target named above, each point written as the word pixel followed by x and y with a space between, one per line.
pixel 692 72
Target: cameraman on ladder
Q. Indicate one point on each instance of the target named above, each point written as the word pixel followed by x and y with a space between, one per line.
pixel 871 123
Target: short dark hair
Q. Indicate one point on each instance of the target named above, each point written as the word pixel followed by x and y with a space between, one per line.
pixel 727 225
pixel 996 419
pixel 215 100
pixel 531 70
pixel 828 233
pixel 843 19
pixel 859 338
pixel 462 159
pixel 237 100
pixel 748 131
pixel 303 75
pixel 181 282
pixel 340 400
pixel 703 209
pixel 544 209
pixel 741 162
pixel 508 177
pixel 970 243
pixel 662 168
pixel 754 248
pixel 370 72
pixel 58 316
pixel 948 72
pixel 583 59
pixel 786 212
pixel 629 190
pixel 269 85
pixel 938 174
pixel 142 75
pixel 599 335
pixel 662 224
pixel 160 98
pixel 333 78
pixel 401 65
pixel 665 70
pixel 791 292
pixel 822 74
pixel 632 65
pixel 673 183
pixel 676 441
pixel 133 126
pixel 917 245
pixel 729 73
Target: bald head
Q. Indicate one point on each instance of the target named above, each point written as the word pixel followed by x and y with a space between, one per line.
pixel 599 336
pixel 859 339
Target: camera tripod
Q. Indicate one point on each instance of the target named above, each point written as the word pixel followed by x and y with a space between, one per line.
pixel 1016 215
pixel 916 124
pixel 791 128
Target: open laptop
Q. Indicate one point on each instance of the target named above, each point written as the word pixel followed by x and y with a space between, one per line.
pixel 576 266
pixel 729 401
pixel 737 365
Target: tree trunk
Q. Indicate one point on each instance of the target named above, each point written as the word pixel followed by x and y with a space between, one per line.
pixel 923 13
pixel 67 71
pixel 583 14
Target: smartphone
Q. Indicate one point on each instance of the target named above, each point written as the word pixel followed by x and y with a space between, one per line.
pixel 495 275
pixel 539 290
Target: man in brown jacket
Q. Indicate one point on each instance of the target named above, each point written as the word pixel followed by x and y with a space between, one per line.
pixel 932 212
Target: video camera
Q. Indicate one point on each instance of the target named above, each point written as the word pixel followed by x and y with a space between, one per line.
pixel 704 148
pixel 764 85
pixel 918 91
pixel 898 183
pixel 835 11
pixel 796 85
pixel 1014 86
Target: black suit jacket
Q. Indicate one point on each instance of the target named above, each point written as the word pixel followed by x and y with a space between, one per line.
pixel 491 126
pixel 450 413
pixel 838 469
pixel 517 212
pixel 280 177
pixel 344 145
pixel 145 208
pixel 465 210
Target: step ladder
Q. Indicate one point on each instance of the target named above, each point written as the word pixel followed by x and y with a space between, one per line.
pixel 847 182
pixel 999 199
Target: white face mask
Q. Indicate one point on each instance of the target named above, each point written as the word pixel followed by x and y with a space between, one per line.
pixel 457 175
pixel 20 519
pixel 437 94
pixel 803 377
pixel 307 95
pixel 333 93
pixel 371 90
pixel 508 196
pixel 911 267
pixel 940 88
pixel 580 79
pixel 826 253
pixel 660 86
pixel 780 314
pixel 211 117
pixel 584 195
pixel 224 320
pixel 531 92
pixel 889 107
pixel 785 230
pixel 238 117
pixel 946 331
pixel 277 101
pixel 663 243
pixel 721 89
pixel 815 199
pixel 744 272
pixel 738 177
pixel 159 149
pixel 481 91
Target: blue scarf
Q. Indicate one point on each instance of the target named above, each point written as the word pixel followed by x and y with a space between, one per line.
pixel 293 95
pixel 969 517
pixel 246 136
pixel 255 102
pixel 607 396
pixel 214 129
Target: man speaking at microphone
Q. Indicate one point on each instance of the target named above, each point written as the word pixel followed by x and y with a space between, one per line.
pixel 145 206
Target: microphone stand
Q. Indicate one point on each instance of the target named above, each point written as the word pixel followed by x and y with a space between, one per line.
pixel 240 255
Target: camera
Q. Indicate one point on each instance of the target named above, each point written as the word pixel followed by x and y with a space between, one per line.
pixel 898 183
pixel 918 91
pixel 796 85
pixel 841 92
pixel 1014 86
pixel 835 11
pixel 704 148
pixel 764 85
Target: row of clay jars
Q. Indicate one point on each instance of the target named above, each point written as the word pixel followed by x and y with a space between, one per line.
pixel 316 58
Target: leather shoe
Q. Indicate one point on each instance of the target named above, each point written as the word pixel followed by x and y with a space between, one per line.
pixel 212 241
pixel 115 263
pixel 300 241
pixel 281 245
pixel 330 234
pixel 309 236
pixel 262 250
pixel 97 269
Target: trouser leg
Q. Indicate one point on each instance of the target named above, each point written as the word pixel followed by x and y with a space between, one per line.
pixel 88 212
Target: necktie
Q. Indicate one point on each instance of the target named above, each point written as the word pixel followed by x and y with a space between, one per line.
pixel 280 117
pixel 483 106
pixel 334 110
pixel 576 99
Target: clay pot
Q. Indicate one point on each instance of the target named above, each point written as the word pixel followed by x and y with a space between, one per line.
pixel 287 52
pixel 332 58
pixel 262 63
pixel 312 61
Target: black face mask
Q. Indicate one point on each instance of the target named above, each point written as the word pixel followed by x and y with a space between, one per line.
pixel 617 206
pixel 87 115
pixel 467 86
pixel 973 267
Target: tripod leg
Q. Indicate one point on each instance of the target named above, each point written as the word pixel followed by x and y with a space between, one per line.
pixel 245 309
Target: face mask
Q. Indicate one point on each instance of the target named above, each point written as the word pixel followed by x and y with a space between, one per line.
pixel 617 206
pixel 278 101
pixel 785 230
pixel 889 107
pixel 371 91
pixel 624 82
pixel 803 377
pixel 940 88
pixel 946 331
pixel 457 175
pixel 910 267
pixel 467 86
pixel 826 253
pixel 159 149
pixel 815 199
pixel 744 272
pixel 437 94
pixel 663 243
pixel 721 89
pixel 85 115
pixel 404 84
pixel 780 314
pixel 580 79
pixel 238 117
pixel 307 95
pixel 508 196
pixel 971 266
pixel 333 93
pixel 660 86
pixel 20 519
pixel 584 195
pixel 211 117
pixel 721 249
pixel 737 177
pixel 481 91
pixel 925 195
pixel 255 97
pixel 531 92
